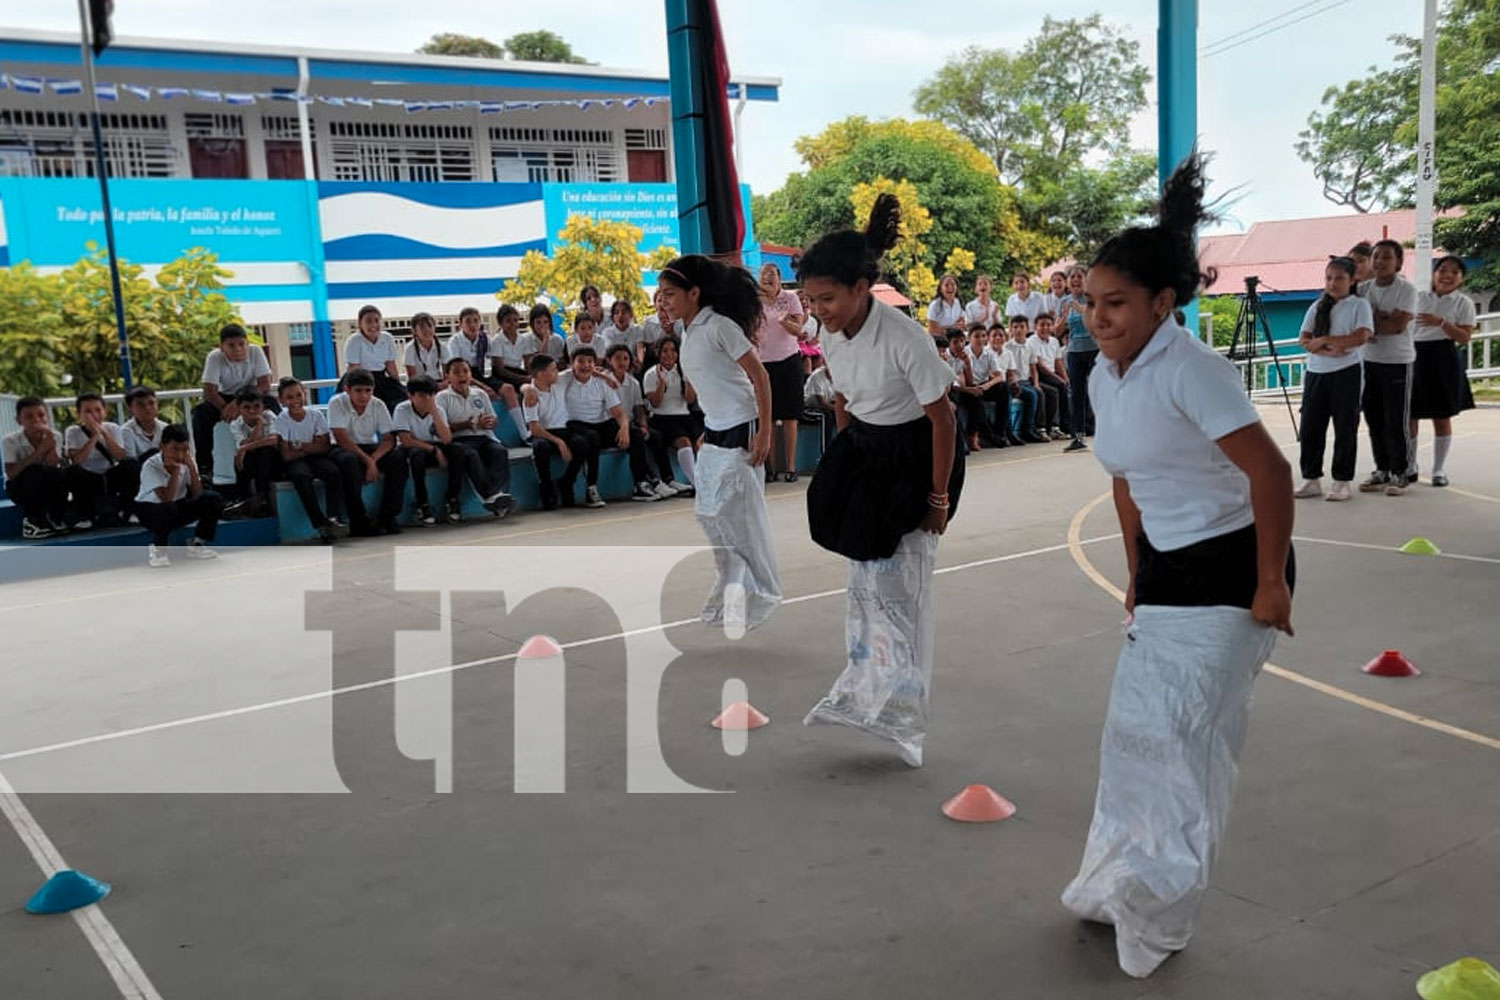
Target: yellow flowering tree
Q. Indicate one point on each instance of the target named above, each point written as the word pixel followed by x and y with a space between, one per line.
pixel 589 251
pixel 908 257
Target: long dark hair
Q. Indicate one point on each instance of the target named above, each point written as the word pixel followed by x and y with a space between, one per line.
pixel 731 291
pixel 1323 317
pixel 847 256
pixel 1166 255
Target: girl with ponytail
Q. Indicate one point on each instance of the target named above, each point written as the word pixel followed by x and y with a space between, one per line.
pixel 1204 499
pixel 718 308
pixel 887 485
pixel 1333 334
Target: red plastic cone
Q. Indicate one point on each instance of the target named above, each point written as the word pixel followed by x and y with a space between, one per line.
pixel 978 804
pixel 1392 664
pixel 539 647
pixel 741 715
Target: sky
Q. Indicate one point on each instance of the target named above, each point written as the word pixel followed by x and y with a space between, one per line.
pixel 842 57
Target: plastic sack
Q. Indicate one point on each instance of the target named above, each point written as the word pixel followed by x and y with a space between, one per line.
pixel 1168 762
pixel 1465 979
pixel 885 686
pixel 731 507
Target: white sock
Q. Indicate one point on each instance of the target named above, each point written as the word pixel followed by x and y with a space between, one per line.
pixel 685 459
pixel 518 421
pixel 1440 446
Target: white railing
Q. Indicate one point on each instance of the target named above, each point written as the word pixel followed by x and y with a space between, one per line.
pixel 1269 376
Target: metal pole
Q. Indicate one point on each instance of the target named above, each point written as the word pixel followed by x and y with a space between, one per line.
pixel 739 140
pixel 685 56
pixel 102 171
pixel 1177 94
pixel 1426 149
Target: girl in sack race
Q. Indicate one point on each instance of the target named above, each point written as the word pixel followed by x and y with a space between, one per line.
pixel 718 307
pixel 886 487
pixel 1204 499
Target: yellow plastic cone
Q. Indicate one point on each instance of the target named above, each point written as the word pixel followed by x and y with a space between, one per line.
pixel 1421 547
pixel 1466 979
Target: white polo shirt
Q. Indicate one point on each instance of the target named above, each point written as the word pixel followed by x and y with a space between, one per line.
pixel 512 354
pixel 154 476
pixel 1045 352
pixel 550 410
pixel 1001 361
pixel 981 312
pixel 1349 314
pixel 630 395
pixel 16 446
pixel 1031 306
pixel 460 346
pixel 300 432
pixel 137 442
pixel 361 352
pixel 589 402
pixel 555 348
pixel 1399 296
pixel 982 366
pixel 367 427
pixel 598 343
pixel 98 460
pixel 407 419
pixel 633 334
pixel 673 402
pixel 712 346
pixel 1024 358
pixel 946 314
pixel 889 370
pixel 818 389
pixel 427 361
pixel 242 431
pixel 1157 425
pixel 457 408
pixel 1455 307
pixel 229 377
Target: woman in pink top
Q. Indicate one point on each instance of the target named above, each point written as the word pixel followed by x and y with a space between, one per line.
pixel 779 345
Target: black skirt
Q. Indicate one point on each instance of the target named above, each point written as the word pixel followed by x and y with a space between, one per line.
pixel 786 387
pixel 1222 571
pixel 677 425
pixel 1440 384
pixel 871 488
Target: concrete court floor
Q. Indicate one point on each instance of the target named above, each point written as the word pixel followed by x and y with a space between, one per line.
pixel 1363 850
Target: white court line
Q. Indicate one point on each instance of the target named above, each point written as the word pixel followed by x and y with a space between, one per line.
pixel 302 699
pixel 129 977
pixel 1389 548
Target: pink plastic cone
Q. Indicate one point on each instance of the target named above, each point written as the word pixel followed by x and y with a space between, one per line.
pixel 978 804
pixel 539 647
pixel 741 715
pixel 1392 664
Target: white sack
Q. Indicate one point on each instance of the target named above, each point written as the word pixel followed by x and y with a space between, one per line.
pixel 731 507
pixel 1168 761
pixel 887 682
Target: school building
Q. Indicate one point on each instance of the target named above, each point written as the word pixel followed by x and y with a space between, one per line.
pixel 326 180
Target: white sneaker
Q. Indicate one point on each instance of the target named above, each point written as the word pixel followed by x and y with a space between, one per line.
pixel 156 557
pixel 1440 479
pixel 1339 492
pixel 1311 488
pixel 681 489
pixel 30 531
pixel 591 497
pixel 197 550
pixel 663 490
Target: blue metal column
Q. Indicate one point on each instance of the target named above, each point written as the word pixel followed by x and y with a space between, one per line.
pixel 685 57
pixel 1177 93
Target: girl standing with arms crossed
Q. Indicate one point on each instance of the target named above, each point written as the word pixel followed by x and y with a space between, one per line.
pixel 886 487
pixel 1333 333
pixel 1440 384
pixel 718 307
pixel 1204 499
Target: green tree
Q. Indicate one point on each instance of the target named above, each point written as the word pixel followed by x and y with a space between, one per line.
pixel 589 251
pixel 541 46
pixel 30 331
pixel 451 44
pixel 1353 142
pixel 1224 310
pixel 1047 115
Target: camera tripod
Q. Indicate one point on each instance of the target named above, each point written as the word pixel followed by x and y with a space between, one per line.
pixel 1250 322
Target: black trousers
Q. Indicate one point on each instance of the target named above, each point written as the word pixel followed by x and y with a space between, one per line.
pixel 1047 404
pixel 205 416
pixel 1330 396
pixel 161 518
pixel 258 469
pixel 302 471
pixel 461 462
pixel 112 492
pixel 1062 402
pixel 580 446
pixel 606 434
pixel 972 416
pixel 1080 365
pixel 490 469
pixel 389 390
pixel 1387 406
pixel 393 471
pixel 41 491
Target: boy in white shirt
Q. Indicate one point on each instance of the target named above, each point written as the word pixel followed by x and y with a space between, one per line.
pixel 257 456
pixel 425 437
pixel 642 434
pixel 373 349
pixel 234 365
pixel 509 349
pixel 1051 372
pixel 980 375
pixel 547 422
pixel 471 418
pixel 141 434
pixel 366 451
pixel 34 476
pixel 1389 355
pixel 172 495
pixel 1004 363
pixel 1023 302
pixel 1033 411
pixel 425 354
pixel 102 477
pixel 585 335
pixel 594 408
pixel 472 345
pixel 305 455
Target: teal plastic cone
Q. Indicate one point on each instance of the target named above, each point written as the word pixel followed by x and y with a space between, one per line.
pixel 1421 547
pixel 67 890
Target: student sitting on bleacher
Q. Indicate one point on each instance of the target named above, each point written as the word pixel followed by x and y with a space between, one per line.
pixel 509 349
pixel 305 447
pixel 471 417
pixel 642 434
pixel 594 408
pixel 141 435
pixel 366 451
pixel 547 426
pixel 257 454
pixel 172 495
pixel 425 435
pixel 817 400
pixel 230 367
pixel 426 355
pixel 34 475
pixel 586 334
pixel 102 477
pixel 548 340
pixel 371 349
pixel 671 396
